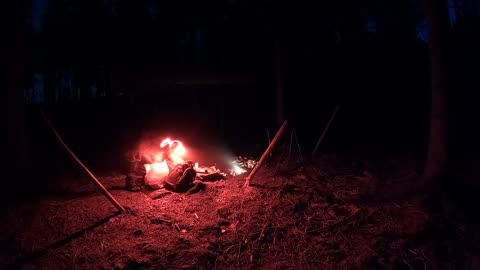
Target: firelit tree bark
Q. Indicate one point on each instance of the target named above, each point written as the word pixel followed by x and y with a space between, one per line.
pixel 438 29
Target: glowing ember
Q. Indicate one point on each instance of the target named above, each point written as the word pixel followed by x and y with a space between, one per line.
pixel 241 164
pixel 238 170
pixel 157 167
pixel 166 158
pixel 169 155
pixel 155 172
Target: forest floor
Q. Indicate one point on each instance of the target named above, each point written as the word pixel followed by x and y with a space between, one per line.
pixel 332 213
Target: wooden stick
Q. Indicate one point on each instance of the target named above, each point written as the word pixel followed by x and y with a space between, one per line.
pixel 269 141
pixel 290 148
pixel 265 154
pixel 325 130
pixel 94 179
pixel 268 137
pixel 278 162
pixel 298 145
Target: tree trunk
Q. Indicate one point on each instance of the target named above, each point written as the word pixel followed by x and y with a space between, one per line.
pixel 471 8
pixel 279 87
pixel 19 154
pixel 438 28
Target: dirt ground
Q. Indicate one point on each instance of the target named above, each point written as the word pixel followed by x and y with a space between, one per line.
pixel 334 213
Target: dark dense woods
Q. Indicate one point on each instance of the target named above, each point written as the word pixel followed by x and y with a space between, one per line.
pixel 110 71
pixel 393 185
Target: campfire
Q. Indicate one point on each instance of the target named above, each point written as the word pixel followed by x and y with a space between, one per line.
pixel 172 151
pixel 170 160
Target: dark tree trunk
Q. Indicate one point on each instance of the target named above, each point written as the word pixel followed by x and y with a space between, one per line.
pixel 438 30
pixel 19 155
pixel 279 86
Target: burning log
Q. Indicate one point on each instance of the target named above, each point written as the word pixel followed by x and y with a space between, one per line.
pixel 275 140
pixel 169 169
pixel 165 166
pixel 93 178
pixel 181 177
pixel 244 162
pixel 212 177
pixel 209 174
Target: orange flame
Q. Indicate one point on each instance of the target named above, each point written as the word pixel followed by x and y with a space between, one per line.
pixel 160 167
pixel 175 150
pixel 170 150
pixel 157 170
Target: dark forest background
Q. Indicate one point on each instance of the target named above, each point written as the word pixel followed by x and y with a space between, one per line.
pixel 107 72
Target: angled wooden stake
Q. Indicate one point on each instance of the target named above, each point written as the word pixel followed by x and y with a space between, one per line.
pixel 325 130
pixel 265 154
pixel 269 141
pixel 92 177
pixel 298 145
pixel 290 147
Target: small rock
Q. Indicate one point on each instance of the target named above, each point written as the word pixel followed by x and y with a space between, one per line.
pixel 160 221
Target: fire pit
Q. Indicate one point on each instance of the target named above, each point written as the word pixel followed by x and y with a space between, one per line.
pixel 170 169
